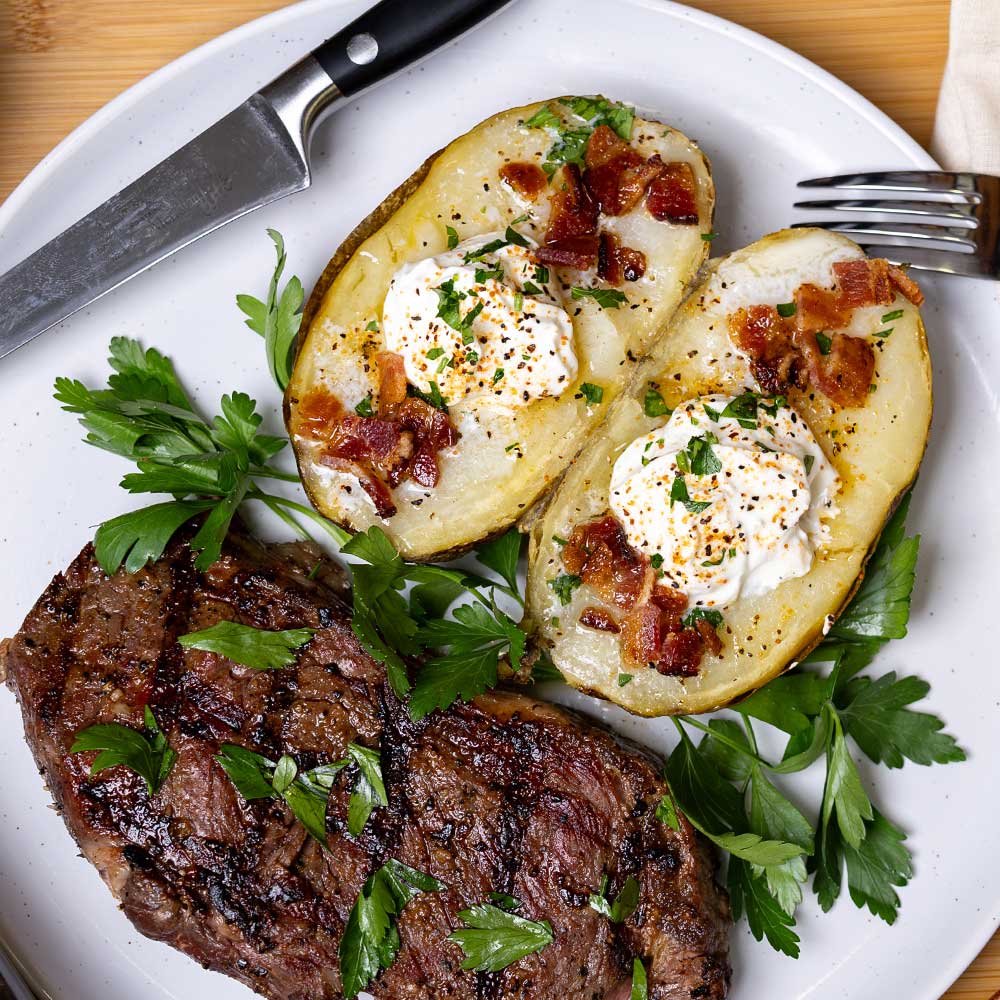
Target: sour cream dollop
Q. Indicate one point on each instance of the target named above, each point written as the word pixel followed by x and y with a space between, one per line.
pixel 516 349
pixel 726 507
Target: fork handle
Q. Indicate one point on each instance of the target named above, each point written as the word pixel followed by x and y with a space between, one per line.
pixel 393 35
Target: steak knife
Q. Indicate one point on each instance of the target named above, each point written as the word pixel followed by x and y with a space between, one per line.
pixel 252 157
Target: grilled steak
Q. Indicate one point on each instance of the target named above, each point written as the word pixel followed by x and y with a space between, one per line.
pixel 506 794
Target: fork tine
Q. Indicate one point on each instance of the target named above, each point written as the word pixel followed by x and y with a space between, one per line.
pixel 898 230
pixel 957 211
pixel 926 181
pixel 924 259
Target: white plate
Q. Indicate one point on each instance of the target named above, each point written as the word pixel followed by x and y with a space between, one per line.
pixel 767 118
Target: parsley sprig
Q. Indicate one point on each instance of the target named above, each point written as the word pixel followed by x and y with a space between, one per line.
pixel 726 787
pixel 210 467
pixel 494 938
pixel 252 647
pixel 144 752
pixel 306 792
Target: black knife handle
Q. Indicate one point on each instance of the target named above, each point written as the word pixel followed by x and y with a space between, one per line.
pixel 394 34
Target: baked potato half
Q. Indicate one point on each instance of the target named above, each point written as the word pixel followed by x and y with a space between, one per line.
pixel 756 576
pixel 508 287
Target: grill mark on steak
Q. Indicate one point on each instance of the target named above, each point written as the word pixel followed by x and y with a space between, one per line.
pixel 505 794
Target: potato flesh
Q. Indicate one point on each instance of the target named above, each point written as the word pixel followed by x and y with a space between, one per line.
pixel 876 450
pixel 504 459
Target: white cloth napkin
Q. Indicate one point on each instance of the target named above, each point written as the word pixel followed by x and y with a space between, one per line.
pixel 967 126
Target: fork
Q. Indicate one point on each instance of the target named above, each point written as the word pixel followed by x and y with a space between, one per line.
pixel 955 231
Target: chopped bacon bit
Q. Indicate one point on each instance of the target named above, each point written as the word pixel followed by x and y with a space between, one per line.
pixel 617 176
pixel 709 636
pixel 578 252
pixel 603 146
pixel 672 196
pixel 845 374
pixel 616 263
pixel 765 337
pixel 599 553
pixel 401 443
pixel 391 381
pixel 599 619
pixel 680 653
pixel 652 633
pixel 574 212
pixel 863 282
pixel 819 309
pixel 908 288
pixel 527 179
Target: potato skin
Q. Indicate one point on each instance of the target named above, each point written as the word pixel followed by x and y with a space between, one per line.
pixel 905 392
pixel 530 497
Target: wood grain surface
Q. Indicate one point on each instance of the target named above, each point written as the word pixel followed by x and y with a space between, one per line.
pixel 61 60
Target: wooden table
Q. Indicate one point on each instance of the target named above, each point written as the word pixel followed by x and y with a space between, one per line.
pixel 60 60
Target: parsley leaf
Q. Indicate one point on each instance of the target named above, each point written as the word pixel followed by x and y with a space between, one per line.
pixel 743 408
pixel 144 752
pixel 624 904
pixel 371 941
pixel 653 404
pixel 369 789
pixel 600 111
pixel 477 637
pixel 252 647
pixel 452 237
pixel 501 554
pixel 564 585
pixel 278 320
pixel 876 717
pixel 592 393
pixel 449 309
pixel 825 343
pixel 140 536
pixel 703 461
pixel 606 298
pixel 640 987
pixel 494 938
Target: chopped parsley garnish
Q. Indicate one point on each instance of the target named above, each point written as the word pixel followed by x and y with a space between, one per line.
pixel 541 274
pixel 452 237
pixel 488 274
pixel 703 461
pixel 518 301
pixel 251 647
pixel 708 237
pixel 679 494
pixel 606 298
pixel 513 236
pixel 653 404
pixel 711 413
pixel 445 362
pixel 624 903
pixel 572 139
pixel 564 585
pixel 808 461
pixel 743 409
pixel 145 751
pixel 713 617
pixel 485 250
pixel 786 309
pixel 592 393
pixel 372 326
pixel 894 315
pixel 656 560
pixel 472 357
pixel 365 408
pixel 640 988
pixel 494 938
pixel 825 343
pixel 530 288
pixel 434 353
pixel 624 679
pixel 497 375
pixel 449 299
pixel 371 940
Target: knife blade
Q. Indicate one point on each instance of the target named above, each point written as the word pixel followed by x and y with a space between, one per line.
pixel 253 156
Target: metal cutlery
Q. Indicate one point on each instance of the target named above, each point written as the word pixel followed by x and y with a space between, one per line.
pixel 252 157
pixel 955 231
